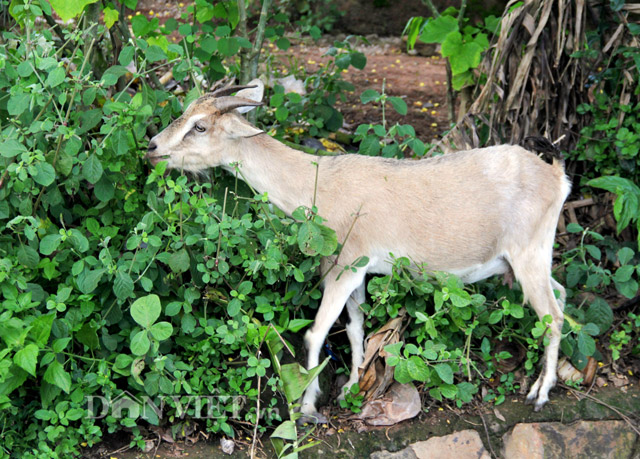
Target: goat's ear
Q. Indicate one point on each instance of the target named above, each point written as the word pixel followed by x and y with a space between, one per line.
pixel 254 94
pixel 237 128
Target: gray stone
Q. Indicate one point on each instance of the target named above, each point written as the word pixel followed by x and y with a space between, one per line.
pixel 406 453
pixel 601 439
pixel 465 444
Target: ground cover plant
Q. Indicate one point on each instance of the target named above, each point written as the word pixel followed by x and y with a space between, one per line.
pixel 122 284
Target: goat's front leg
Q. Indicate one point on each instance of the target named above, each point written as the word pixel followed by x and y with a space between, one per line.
pixel 336 294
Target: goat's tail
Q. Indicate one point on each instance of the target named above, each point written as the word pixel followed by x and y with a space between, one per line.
pixel 546 147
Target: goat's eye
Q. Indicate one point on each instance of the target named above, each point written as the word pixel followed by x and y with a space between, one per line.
pixel 199 128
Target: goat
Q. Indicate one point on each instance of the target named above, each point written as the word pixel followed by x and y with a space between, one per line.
pixel 473 213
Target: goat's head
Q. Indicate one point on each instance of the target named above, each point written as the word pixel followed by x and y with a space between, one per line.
pixel 208 129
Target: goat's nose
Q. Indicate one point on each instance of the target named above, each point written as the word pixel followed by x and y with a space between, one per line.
pixel 152 146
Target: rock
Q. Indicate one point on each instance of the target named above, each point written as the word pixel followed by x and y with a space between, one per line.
pixel 465 444
pixel 602 439
pixel 401 402
pixel 406 453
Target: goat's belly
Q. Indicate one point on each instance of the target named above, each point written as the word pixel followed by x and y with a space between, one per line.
pixel 468 275
pixel 478 272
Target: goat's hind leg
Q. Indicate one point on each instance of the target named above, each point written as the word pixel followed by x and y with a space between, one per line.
pixel 336 294
pixel 355 333
pixel 537 285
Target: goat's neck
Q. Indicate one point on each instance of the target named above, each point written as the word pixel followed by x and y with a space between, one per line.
pixel 287 175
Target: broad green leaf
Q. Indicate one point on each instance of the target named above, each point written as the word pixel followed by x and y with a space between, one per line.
pixel 55 77
pixel 45 174
pixel 10 148
pixel 110 16
pixel 50 243
pixel 310 238
pixel 444 372
pixel 155 53
pixel 122 285
pixel 625 255
pixel 369 95
pixel 79 241
pixel 28 257
pixel 41 329
pixel 161 330
pixel 18 103
pixel 27 358
pixel 586 344
pixel 69 9
pixel 92 169
pixel 286 430
pixel 87 335
pixel 358 60
pixel 418 369
pixel 179 261
pixel 140 343
pixel 146 310
pixel 126 55
pixel 57 376
pixel 370 146
pixel 436 30
pixel 398 104
pixel 88 280
pixel 296 379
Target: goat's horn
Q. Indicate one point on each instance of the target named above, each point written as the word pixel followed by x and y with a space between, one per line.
pixel 226 104
pixel 230 90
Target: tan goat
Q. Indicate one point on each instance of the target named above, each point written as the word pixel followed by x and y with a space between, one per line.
pixel 473 213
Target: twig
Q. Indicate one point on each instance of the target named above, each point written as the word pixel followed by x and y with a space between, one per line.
pixel 255 427
pixel 486 430
pixel 605 404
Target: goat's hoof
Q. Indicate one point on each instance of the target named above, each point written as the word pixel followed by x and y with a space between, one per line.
pixel 312 418
pixel 530 400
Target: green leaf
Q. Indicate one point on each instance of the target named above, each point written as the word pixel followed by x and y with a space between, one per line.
pixel 110 16
pixel 126 55
pixel 88 280
pixel 370 146
pixel 55 77
pixel 41 329
pixel 122 285
pixel 11 147
pixel 586 344
pixel 110 77
pixel 369 95
pixel 69 9
pixel 437 30
pixel 87 335
pixel 27 358
pixel 92 169
pixel 418 369
pixel 155 53
pixel 296 379
pixel 18 103
pixel 57 376
pixel 78 240
pixel 50 243
pixel 445 373
pixel 399 105
pixel 146 310
pixel 140 343
pixel 286 430
pixel 310 238
pixel 625 255
pixel 28 257
pixel 358 60
pixel 45 174
pixel 179 261
pixel 161 330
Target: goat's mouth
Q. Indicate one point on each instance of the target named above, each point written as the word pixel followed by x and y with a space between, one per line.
pixel 157 158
